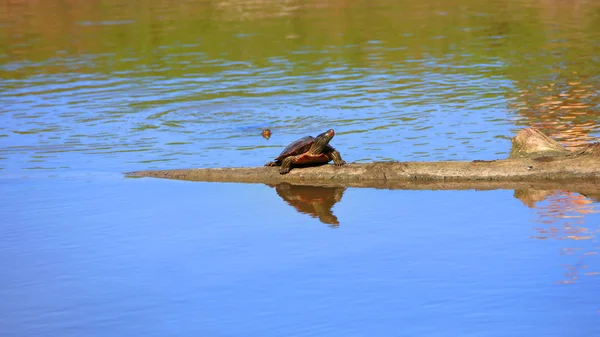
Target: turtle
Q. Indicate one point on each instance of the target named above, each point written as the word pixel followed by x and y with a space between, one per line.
pixel 307 151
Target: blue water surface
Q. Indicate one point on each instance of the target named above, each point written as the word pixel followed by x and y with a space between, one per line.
pixel 146 257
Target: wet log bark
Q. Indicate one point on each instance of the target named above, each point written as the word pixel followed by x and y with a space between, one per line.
pixel 534 158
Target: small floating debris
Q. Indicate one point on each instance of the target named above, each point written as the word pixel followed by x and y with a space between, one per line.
pixel 266 133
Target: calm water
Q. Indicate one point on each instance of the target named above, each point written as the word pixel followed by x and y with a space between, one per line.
pixel 91 89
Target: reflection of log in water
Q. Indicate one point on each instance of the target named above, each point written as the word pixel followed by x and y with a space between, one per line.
pixel 318 201
pixel 315 201
pixel 561 215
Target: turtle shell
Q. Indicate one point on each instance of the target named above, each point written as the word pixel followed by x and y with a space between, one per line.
pixel 300 146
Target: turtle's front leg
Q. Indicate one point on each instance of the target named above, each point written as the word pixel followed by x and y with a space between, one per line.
pixel 286 165
pixel 337 158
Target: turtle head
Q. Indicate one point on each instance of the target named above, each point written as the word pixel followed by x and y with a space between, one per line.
pixel 322 140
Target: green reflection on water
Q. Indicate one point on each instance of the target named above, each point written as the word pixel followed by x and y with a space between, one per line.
pixel 157 37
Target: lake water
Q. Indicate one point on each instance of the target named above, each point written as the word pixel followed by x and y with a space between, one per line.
pixel 92 89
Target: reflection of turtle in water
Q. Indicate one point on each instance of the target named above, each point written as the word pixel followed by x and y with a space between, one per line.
pixel 315 201
pixel 308 150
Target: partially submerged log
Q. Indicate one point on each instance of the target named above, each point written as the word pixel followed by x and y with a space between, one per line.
pixel 535 158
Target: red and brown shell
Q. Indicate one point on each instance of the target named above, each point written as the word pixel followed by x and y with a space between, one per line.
pixel 301 146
